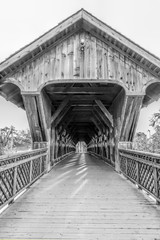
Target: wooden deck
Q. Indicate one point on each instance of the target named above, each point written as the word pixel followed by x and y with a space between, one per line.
pixel 81 198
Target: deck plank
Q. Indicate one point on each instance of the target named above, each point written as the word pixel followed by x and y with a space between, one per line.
pixel 81 198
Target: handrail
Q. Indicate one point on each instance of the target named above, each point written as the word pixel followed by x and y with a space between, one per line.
pixel 19 171
pixel 20 156
pixel 145 154
pixel 143 169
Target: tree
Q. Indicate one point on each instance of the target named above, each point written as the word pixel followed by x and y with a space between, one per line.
pixel 155 120
pixel 22 138
pixel 6 136
pixel 155 137
pixel 140 141
pixel 12 139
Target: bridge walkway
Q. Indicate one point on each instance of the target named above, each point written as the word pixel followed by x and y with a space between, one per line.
pixel 81 198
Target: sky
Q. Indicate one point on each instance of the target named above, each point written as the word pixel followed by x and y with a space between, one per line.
pixel 22 21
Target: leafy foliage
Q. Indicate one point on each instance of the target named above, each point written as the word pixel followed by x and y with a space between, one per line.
pixel 155 120
pixel 14 140
pixel 140 141
pixel 152 143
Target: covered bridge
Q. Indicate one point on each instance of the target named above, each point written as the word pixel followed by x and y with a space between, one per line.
pixel 82 81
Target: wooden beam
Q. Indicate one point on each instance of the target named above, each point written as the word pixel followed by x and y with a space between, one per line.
pixel 80 90
pixel 60 108
pixel 97 118
pixel 105 111
pixel 13 94
pixel 131 115
pixel 31 108
pixel 102 117
pixel 96 124
pixel 61 116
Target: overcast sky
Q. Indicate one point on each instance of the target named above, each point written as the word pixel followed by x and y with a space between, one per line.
pixel 21 21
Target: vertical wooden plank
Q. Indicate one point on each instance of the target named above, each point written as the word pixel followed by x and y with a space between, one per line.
pixel 30 171
pixel 63 61
pixel 93 57
pixel 70 58
pixel 99 60
pixel 115 64
pixel 88 62
pixel 105 74
pixel 156 184
pixel 121 68
pixel 15 181
pixel 53 63
pixel 57 63
pixel 110 64
pixel 76 57
pixel 86 55
pixel 82 55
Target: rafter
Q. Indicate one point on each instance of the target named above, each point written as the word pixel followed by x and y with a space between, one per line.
pixel 102 117
pixel 61 116
pixel 60 109
pixel 95 123
pixel 105 111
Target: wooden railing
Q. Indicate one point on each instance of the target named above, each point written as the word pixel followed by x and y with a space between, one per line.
pixel 143 169
pixel 19 171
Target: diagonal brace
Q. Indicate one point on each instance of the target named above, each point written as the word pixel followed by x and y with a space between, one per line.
pixel 60 109
pixel 105 111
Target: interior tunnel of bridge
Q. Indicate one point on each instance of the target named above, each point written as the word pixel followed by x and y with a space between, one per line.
pixel 82 112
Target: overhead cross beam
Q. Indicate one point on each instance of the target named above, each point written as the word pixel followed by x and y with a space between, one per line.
pixel 79 90
pixel 105 111
pixel 60 109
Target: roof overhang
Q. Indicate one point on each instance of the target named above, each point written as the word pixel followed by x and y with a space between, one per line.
pixel 82 20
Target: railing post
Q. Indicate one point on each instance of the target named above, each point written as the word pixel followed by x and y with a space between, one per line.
pixel 30 174
pixel 40 170
pixel 14 181
pixel 126 166
pixel 156 184
pixel 138 175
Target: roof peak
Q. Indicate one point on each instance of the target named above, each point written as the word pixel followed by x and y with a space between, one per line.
pixel 88 22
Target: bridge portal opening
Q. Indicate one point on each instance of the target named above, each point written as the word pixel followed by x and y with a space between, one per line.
pixel 81 147
pixel 83 113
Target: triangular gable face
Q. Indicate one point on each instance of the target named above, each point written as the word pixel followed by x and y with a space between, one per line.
pixel 82 47
pixel 83 56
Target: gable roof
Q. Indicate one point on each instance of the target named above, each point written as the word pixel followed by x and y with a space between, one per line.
pixel 81 20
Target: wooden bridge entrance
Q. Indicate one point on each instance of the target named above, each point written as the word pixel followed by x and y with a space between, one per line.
pixel 82 81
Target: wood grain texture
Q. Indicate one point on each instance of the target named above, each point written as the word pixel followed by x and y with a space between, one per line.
pixel 132 110
pixel 81 198
pixel 97 61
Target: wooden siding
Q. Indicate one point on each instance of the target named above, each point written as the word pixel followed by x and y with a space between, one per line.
pixel 97 61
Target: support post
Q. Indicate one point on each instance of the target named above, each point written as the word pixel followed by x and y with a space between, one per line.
pixel 125 109
pixel 38 110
